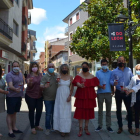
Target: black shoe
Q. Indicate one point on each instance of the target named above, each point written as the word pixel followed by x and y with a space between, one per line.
pixel 17 131
pixel 130 130
pixel 12 135
pixel 98 129
pixel 119 130
pixel 110 129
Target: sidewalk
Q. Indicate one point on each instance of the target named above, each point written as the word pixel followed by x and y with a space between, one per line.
pixel 23 124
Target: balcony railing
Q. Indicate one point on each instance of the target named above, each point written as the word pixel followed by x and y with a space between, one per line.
pixel 66 31
pixel 24 47
pixel 24 20
pixel 6 30
pixel 33 49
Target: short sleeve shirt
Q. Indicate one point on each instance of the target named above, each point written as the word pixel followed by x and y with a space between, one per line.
pixel 50 92
pixel 15 79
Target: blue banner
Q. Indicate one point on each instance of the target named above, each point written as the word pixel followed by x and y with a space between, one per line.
pixel 116 37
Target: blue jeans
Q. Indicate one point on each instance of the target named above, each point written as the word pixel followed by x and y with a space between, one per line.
pixel 49 105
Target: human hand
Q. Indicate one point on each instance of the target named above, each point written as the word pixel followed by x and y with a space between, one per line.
pixel 18 90
pixel 82 85
pixel 129 91
pixel 103 87
pixel 69 99
pixel 47 85
pixel 115 83
pixel 31 79
pixel 5 92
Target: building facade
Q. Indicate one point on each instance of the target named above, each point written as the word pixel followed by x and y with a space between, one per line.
pixel 54 46
pixel 13 32
pixel 60 58
pixel 42 61
pixel 76 18
pixel 46 53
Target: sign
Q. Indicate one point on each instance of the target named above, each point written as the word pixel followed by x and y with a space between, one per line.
pixel 4 54
pixel 116 37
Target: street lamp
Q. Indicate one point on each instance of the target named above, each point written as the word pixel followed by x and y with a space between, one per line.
pixel 129 31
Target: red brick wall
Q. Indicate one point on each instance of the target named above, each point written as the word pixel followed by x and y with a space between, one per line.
pixel 56 49
pixel 42 61
pixel 25 32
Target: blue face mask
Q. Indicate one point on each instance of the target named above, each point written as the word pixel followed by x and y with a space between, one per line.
pixel 51 70
pixel 138 72
pixel 104 67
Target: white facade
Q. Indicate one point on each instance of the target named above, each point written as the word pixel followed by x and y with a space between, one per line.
pixel 74 17
pixel 12 49
pixel 15 14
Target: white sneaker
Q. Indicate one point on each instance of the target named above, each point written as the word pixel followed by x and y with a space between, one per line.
pixel 47 132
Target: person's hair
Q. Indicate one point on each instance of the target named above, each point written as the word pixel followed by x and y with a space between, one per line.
pixel 0 72
pixel 31 66
pixel 61 68
pixel 85 63
pixel 15 62
pixel 103 60
pixel 120 57
pixel 138 65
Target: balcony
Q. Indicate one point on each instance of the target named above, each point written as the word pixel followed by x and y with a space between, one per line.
pixel 29 18
pixel 24 47
pixel 33 49
pixel 58 64
pixel 6 33
pixel 32 34
pixel 66 31
pixel 6 4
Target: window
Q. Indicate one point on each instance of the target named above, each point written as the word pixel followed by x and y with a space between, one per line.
pixel 17 1
pixel 15 28
pixel 70 52
pixel 77 16
pixel 70 37
pixel 71 21
pixel 66 58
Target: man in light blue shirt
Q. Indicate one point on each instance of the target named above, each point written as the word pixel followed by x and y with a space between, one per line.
pixel 104 94
pixel 120 78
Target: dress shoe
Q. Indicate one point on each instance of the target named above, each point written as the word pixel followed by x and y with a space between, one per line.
pixel 131 131
pixel 119 130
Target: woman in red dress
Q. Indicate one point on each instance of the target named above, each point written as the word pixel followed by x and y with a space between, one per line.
pixel 85 97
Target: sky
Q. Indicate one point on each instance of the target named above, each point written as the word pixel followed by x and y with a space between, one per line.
pixel 46 20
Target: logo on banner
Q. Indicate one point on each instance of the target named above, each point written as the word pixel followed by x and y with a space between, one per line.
pixel 116 37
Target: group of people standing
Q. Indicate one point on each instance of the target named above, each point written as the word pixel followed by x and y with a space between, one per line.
pixel 56 89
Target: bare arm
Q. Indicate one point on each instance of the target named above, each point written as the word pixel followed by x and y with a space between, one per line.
pixel 71 90
pixel 3 91
pixel 71 86
pixel 11 87
pixel 29 82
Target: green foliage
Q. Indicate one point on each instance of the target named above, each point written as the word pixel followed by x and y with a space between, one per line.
pixel 91 41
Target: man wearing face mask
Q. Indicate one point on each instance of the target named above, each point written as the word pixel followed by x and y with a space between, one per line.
pixel 104 93
pixel 120 78
pixel 13 99
pixel 49 85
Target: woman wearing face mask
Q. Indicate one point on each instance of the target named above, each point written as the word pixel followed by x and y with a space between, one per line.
pixel 33 97
pixel 135 98
pixel 2 94
pixel 85 97
pixel 62 108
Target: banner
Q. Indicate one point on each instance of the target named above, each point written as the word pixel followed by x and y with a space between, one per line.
pixel 116 37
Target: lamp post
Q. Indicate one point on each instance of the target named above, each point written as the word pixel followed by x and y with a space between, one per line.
pixel 130 31
pixel 123 18
pixel 130 37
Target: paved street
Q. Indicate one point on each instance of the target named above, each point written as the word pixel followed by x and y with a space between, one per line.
pixel 23 124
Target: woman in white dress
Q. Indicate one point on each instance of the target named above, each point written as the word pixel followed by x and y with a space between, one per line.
pixel 62 108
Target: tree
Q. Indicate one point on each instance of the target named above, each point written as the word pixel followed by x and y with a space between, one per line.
pixel 91 41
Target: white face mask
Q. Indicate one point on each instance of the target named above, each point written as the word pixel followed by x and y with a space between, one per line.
pixel 16 69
